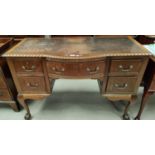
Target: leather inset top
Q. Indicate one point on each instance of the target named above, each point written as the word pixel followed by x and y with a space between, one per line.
pixel 77 48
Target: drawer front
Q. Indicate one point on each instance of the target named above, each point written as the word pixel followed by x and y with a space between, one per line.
pixel 32 84
pixel 121 84
pixel 5 95
pixel 28 66
pixel 59 68
pixel 126 66
pixel 92 68
pixel 76 69
pixel 2 82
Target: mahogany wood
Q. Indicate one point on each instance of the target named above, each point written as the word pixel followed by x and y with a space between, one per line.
pixel 118 63
pixel 32 84
pixel 28 66
pixel 121 85
pixel 76 69
pixel 132 67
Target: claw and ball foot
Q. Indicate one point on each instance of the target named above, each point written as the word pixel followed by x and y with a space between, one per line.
pixel 137 118
pixel 27 116
pixel 126 117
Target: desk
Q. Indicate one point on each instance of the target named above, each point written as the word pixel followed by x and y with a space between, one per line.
pixel 117 63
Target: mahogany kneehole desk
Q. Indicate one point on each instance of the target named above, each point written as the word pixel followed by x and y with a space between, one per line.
pixel 117 63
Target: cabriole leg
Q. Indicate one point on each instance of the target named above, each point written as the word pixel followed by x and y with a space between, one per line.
pixel 126 116
pixel 25 106
pixel 145 97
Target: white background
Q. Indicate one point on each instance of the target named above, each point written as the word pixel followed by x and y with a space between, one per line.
pixel 53 17
pixel 77 17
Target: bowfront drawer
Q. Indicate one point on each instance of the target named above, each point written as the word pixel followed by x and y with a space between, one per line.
pixel 121 85
pixel 28 66
pixel 32 84
pixel 60 68
pixel 76 69
pixel 126 66
pixel 92 68
pixel 4 95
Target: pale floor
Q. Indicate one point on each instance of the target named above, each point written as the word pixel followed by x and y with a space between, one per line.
pixel 78 100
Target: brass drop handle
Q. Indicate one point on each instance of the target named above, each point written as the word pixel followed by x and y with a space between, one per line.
pixel 60 70
pixel 93 71
pixel 29 69
pixel 125 69
pixel 121 86
pixel 34 85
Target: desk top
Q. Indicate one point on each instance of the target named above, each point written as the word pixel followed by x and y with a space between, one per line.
pixel 77 48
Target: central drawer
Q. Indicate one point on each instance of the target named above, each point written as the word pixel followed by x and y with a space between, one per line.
pixel 32 84
pixel 76 68
pixel 121 85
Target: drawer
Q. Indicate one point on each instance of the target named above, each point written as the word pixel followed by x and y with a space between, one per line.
pixel 76 69
pixel 126 66
pixel 28 66
pixel 5 95
pixel 32 84
pixel 92 68
pixel 121 85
